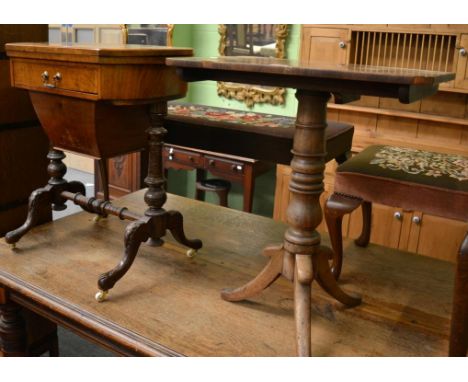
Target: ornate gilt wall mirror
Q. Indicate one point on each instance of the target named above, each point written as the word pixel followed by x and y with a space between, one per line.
pixel 149 34
pixel 266 40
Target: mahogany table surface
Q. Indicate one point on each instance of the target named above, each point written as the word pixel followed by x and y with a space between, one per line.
pixel 169 304
pixel 407 85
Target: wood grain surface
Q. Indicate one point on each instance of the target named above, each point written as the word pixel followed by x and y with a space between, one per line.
pixel 169 304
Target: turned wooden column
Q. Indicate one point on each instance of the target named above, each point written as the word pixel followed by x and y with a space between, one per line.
pixel 304 213
pixel 155 196
pixel 13 336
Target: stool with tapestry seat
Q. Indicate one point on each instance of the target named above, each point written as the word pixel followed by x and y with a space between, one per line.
pixel 411 179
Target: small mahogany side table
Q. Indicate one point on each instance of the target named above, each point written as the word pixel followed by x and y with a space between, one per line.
pixel 301 258
pixel 101 101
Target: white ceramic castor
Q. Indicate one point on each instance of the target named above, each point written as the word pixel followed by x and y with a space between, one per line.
pixel 191 252
pixel 101 295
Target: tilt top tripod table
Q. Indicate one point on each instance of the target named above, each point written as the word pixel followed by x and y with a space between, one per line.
pixel 102 101
pixel 301 258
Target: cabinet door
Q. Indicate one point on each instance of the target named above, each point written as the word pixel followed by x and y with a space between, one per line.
pixel 386 225
pixel 435 236
pixel 461 79
pixel 327 45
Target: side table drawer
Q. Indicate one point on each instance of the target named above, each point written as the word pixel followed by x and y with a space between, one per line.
pixel 225 166
pixel 182 156
pixel 40 75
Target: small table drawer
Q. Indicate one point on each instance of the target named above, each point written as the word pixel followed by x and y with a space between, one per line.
pixel 181 156
pixel 37 74
pixel 223 165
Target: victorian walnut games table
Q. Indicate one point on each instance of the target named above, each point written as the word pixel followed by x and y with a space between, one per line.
pixel 301 258
pixel 101 101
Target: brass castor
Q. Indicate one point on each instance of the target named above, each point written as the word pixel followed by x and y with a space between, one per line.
pixel 101 295
pixel 98 218
pixel 12 245
pixel 191 252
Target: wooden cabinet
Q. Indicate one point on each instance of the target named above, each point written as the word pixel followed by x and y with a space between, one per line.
pixel 437 123
pixel 23 144
pixel 325 45
pixel 461 80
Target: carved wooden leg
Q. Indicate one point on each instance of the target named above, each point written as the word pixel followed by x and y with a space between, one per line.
pixel 363 239
pixel 327 281
pixel 303 277
pixel 336 207
pixel 263 280
pixel 459 325
pixel 48 196
pixel 40 198
pixel 175 224
pixel 136 233
pixel 13 336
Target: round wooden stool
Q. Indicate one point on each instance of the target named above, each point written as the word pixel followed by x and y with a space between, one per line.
pixel 220 186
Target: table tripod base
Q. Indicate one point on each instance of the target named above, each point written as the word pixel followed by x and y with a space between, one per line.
pixel 301 270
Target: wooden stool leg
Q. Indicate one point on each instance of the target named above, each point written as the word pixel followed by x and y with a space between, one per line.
pixel 363 239
pixel 223 200
pixel 200 194
pixel 336 207
pixel 459 326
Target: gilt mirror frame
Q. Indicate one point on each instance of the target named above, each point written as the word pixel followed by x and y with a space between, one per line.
pixel 253 94
pixel 170 32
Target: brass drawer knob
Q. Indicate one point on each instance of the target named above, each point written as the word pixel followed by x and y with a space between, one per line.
pixel 45 76
pixel 45 79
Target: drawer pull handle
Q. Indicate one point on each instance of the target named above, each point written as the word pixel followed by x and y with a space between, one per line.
pixel 45 76
pixel 45 79
pixel 191 159
pixel 171 157
pixel 237 167
pixel 211 163
pixel 398 215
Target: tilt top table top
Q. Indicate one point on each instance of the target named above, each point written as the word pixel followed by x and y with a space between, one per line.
pixel 301 259
pixel 408 85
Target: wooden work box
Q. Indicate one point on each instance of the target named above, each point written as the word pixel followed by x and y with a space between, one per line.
pixel 81 85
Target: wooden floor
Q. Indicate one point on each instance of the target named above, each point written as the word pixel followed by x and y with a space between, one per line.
pixel 173 301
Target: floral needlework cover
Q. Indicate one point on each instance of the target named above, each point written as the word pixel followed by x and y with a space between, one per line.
pixel 217 114
pixel 426 163
pixel 404 164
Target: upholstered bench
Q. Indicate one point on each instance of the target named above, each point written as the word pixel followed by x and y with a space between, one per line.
pixel 430 182
pixel 200 127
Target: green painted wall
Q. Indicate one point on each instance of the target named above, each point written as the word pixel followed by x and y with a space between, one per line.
pixel 204 38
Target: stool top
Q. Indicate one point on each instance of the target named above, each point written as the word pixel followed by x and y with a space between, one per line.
pixel 447 171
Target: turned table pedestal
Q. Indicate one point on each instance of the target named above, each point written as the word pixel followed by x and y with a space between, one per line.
pixel 101 101
pixel 301 258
